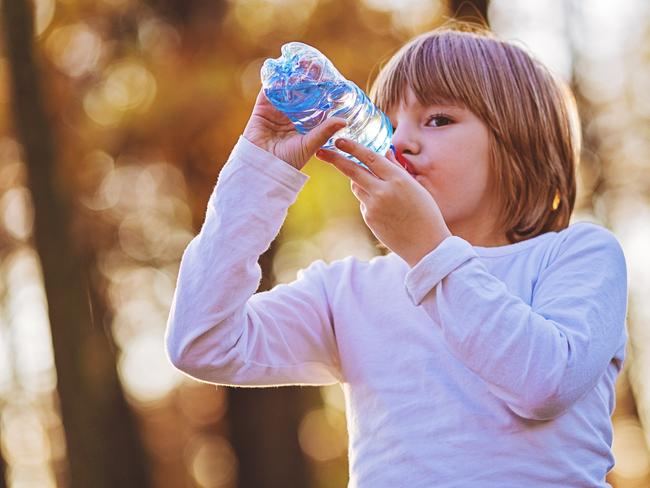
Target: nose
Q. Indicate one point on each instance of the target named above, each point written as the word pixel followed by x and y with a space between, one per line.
pixel 404 146
pixel 403 143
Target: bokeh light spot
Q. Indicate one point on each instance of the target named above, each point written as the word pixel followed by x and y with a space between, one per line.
pixel 318 438
pixel 75 49
pixel 144 368
pixel 212 462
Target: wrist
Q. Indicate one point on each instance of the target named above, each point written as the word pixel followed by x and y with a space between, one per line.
pixel 270 148
pixel 427 247
pixel 253 140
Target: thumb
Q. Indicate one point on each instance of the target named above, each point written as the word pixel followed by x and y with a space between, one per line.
pixel 321 134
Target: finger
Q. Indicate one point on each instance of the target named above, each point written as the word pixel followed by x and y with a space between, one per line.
pixel 390 155
pixel 320 134
pixel 376 162
pixel 361 176
pixel 358 192
pixel 402 161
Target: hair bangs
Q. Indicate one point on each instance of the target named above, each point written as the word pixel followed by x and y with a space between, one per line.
pixel 437 69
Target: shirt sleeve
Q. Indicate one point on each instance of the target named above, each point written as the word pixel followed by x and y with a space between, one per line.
pixel 218 329
pixel 539 358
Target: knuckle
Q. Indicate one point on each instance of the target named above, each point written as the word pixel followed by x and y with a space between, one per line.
pixel 372 157
pixel 400 185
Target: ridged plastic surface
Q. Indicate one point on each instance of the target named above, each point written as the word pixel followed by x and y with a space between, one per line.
pixel 305 85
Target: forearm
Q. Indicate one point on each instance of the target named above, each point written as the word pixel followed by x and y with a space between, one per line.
pixel 539 359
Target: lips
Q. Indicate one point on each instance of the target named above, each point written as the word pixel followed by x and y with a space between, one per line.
pixel 403 161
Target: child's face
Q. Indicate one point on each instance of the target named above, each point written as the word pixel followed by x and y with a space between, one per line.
pixel 448 146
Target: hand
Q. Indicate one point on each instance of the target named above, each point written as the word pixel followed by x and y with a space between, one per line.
pixel 272 130
pixel 399 211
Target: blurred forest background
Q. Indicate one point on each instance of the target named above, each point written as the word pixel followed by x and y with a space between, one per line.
pixel 116 117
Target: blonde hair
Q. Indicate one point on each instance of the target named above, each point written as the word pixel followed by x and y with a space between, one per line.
pixel 530 114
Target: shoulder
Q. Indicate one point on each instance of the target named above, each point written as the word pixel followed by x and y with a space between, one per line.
pixel 584 229
pixel 587 248
pixel 588 237
pixel 586 261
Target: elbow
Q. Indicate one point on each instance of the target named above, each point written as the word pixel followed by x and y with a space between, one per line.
pixel 180 351
pixel 207 350
pixel 180 347
pixel 174 345
pixel 184 359
pixel 539 412
pixel 541 407
pixel 205 361
pixel 176 355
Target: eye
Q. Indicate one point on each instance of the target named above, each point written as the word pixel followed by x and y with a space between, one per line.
pixel 440 120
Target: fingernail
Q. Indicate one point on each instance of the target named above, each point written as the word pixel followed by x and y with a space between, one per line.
pixel 340 143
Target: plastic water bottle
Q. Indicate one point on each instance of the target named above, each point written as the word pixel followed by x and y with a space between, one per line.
pixel 305 85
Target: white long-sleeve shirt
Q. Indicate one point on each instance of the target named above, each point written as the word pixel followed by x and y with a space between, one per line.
pixel 479 366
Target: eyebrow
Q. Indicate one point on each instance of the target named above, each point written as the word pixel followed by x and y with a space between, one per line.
pixel 441 104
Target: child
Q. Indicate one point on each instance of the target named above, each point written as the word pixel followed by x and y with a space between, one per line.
pixel 483 350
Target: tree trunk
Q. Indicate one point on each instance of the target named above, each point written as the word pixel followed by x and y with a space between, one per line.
pixel 3 471
pixel 264 425
pixel 103 448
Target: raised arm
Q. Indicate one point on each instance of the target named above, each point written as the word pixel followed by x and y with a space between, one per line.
pixel 218 329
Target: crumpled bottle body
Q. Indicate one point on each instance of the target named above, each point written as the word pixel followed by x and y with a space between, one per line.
pixel 305 85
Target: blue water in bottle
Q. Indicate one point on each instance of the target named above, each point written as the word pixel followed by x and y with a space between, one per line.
pixel 305 85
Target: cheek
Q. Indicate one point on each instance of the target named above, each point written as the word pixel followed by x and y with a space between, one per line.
pixel 456 176
pixel 471 168
pixel 460 183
